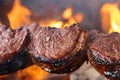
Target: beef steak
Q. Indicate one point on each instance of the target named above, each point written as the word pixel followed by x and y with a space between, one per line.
pixel 104 55
pixel 58 50
pixel 13 55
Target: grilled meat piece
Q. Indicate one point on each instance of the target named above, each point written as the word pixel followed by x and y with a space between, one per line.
pixel 12 50
pixel 58 50
pixel 104 55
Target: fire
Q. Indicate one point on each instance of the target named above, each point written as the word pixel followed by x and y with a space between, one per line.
pixel 32 73
pixel 19 15
pixel 67 19
pixel 67 13
pixel 51 23
pixel 110 14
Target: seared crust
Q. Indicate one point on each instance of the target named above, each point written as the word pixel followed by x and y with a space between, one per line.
pixel 13 55
pixel 64 66
pixel 110 71
pixel 104 55
pixel 58 50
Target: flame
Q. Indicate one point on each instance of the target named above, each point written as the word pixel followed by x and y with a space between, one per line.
pixel 57 24
pixel 19 15
pixel 32 73
pixel 110 15
pixel 67 13
pixel 51 23
pixel 67 19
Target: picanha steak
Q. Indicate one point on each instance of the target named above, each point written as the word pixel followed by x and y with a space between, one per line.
pixel 58 50
pixel 13 55
pixel 104 55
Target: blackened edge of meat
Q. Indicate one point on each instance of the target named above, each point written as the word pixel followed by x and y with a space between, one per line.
pixel 17 62
pixel 64 66
pixel 97 60
pixel 110 71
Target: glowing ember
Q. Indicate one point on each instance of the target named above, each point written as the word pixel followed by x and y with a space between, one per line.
pixel 19 15
pixel 110 18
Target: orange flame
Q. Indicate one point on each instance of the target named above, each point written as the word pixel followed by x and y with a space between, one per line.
pixel 67 19
pixel 32 73
pixel 110 15
pixel 67 13
pixel 19 15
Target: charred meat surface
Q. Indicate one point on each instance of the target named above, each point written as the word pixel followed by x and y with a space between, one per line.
pixel 104 55
pixel 58 50
pixel 12 50
pixel 18 62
